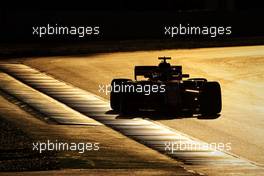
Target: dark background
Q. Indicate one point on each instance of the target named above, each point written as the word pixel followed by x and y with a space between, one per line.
pixel 130 20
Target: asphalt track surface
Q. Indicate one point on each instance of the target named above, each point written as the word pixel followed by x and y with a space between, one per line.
pixel 198 156
pixel 238 69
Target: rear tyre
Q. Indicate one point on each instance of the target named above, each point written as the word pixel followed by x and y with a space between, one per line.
pixel 128 105
pixel 124 105
pixel 115 97
pixel 211 101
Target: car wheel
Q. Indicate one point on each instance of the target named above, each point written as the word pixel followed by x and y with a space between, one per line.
pixel 211 101
pixel 115 97
pixel 128 105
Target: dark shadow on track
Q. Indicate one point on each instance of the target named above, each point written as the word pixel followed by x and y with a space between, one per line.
pixel 162 116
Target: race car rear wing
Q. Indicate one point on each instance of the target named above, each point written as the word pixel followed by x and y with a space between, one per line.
pixel 146 71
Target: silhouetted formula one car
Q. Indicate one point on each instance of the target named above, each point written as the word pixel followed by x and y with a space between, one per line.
pixel 165 90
